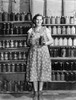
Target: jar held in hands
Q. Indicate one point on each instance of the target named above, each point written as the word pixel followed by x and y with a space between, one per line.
pixel 41 40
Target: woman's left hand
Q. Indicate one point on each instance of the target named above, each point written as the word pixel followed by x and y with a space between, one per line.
pixel 43 43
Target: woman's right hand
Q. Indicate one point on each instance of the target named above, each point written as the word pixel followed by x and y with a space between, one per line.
pixel 34 39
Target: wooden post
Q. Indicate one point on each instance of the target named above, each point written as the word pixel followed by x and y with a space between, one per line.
pixel 45 8
pixel 62 11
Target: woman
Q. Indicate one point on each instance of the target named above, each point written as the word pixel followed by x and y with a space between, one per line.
pixel 39 64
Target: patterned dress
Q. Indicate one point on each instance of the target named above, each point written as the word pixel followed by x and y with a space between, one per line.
pixel 38 63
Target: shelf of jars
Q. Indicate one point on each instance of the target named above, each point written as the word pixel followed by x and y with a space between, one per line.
pixel 61 26
pixel 13 52
pixel 22 86
pixel 59 20
pixel 15 87
pixel 12 25
pixel 62 30
pixel 13 43
pixel 64 66
pixel 13 55
pixel 64 70
pixel 63 76
pixel 14 30
pixel 63 50
pixel 12 67
pixel 62 53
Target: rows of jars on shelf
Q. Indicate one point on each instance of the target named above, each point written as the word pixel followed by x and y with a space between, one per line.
pixel 59 20
pixel 11 67
pixel 62 52
pixel 15 86
pixel 4 16
pixel 63 30
pixel 13 59
pixel 64 41
pixel 64 71
pixel 67 27
pixel 13 43
pixel 64 66
pixel 9 28
pixel 63 76
pixel 13 55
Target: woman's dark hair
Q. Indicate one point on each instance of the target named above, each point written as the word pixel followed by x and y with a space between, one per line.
pixel 34 18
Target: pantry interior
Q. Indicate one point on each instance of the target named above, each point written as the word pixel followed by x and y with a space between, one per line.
pixel 15 19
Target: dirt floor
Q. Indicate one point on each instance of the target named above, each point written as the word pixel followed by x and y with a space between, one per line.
pixel 47 95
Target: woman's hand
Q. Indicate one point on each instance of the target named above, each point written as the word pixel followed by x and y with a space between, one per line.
pixel 36 37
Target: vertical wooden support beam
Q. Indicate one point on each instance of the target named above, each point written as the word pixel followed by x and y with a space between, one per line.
pixel 45 8
pixel 62 11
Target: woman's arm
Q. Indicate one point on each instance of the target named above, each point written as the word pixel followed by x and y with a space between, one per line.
pixel 29 39
pixel 49 37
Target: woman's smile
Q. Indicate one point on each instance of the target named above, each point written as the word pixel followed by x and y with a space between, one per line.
pixel 39 21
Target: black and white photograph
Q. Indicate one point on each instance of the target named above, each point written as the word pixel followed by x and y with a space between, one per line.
pixel 37 49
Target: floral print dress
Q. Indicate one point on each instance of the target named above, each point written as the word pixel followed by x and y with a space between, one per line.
pixel 38 62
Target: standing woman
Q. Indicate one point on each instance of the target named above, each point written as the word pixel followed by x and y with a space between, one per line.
pixel 39 63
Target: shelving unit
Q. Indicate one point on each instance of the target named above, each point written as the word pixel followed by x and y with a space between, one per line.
pixel 13 47
pixel 63 56
pixel 13 57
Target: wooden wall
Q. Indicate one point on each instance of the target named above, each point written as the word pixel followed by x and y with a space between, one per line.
pixel 14 6
pixel 54 7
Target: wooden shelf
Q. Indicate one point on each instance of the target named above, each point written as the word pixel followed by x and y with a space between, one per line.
pixel 14 35
pixel 64 35
pixel 15 21
pixel 53 81
pixel 21 49
pixel 11 61
pixel 63 58
pixel 59 24
pixel 58 81
pixel 18 23
pixel 17 35
pixel 12 38
pixel 62 71
pixel 12 73
pixel 58 46
pixel 14 62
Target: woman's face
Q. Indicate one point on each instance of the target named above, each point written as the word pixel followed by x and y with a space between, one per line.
pixel 39 21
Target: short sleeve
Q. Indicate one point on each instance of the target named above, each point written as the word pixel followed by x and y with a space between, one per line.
pixel 29 32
